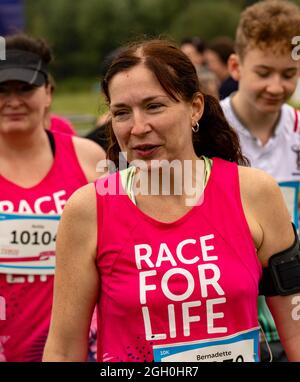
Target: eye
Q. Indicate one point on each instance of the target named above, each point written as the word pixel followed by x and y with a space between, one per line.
pixel 154 106
pixel 289 75
pixel 263 74
pixel 26 88
pixel 120 114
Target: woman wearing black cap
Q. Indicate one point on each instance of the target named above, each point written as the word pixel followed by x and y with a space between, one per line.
pixel 39 171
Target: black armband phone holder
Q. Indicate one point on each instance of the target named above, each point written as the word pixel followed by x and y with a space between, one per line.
pixel 282 275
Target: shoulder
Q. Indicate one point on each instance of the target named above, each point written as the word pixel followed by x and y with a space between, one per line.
pixel 266 212
pixel 290 118
pixel 259 190
pixel 288 110
pixel 89 155
pixel 77 231
pixel 80 212
pixel 255 181
pixel 88 148
pixel 82 203
pixel 227 110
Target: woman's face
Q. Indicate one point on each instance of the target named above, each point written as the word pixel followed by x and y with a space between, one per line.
pixel 22 106
pixel 148 124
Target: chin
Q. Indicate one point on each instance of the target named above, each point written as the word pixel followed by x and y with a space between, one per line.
pixel 14 128
pixel 270 107
pixel 143 164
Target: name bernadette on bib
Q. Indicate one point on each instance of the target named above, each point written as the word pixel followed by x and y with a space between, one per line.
pixel 240 347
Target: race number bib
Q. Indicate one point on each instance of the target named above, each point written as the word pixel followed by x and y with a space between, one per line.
pixel 27 244
pixel 241 347
pixel 290 191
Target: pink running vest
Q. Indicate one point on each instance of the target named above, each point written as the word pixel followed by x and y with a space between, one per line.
pixel 181 291
pixel 61 125
pixel 27 299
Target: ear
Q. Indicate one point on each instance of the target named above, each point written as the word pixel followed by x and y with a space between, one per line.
pixel 234 63
pixel 197 107
pixel 48 95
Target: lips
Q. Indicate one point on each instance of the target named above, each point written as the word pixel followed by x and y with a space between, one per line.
pixel 146 149
pixel 15 115
pixel 273 100
pixel 146 146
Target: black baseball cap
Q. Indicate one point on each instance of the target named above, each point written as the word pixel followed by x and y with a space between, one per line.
pixel 21 65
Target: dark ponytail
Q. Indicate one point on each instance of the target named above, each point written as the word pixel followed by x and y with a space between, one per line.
pixel 113 149
pixel 216 138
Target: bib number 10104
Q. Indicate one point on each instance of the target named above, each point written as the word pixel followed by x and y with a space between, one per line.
pixel 33 238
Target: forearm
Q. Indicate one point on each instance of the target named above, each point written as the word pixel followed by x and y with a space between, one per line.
pixel 59 352
pixel 292 348
pixel 287 322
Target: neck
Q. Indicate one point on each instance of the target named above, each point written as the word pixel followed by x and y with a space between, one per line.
pixel 260 124
pixel 183 181
pixel 22 144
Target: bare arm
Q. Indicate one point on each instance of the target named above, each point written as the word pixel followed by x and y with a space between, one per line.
pixel 89 155
pixel 76 284
pixel 271 224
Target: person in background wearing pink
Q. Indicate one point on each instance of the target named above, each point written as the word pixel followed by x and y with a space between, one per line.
pixel 174 271
pixel 39 170
pixel 61 125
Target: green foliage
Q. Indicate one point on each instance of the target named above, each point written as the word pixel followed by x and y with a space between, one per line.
pixel 83 32
pixel 81 106
pixel 207 19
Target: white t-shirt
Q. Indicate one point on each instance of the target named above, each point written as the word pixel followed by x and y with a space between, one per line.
pixel 280 156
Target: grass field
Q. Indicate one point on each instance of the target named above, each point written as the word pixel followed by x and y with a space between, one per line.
pixel 81 104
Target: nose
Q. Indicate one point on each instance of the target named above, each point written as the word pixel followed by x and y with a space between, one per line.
pixel 13 99
pixel 140 125
pixel 275 85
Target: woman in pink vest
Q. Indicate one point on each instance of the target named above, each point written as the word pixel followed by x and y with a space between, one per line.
pixel 172 248
pixel 39 171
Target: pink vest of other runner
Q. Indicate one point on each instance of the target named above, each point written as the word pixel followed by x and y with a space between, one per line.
pixel 61 125
pixel 28 298
pixel 180 291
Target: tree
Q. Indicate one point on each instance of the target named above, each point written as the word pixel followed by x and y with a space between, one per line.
pixel 207 19
pixel 83 32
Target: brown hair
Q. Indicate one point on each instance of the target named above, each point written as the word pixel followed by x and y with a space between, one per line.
pixel 223 46
pixel 196 41
pixel 269 24
pixel 177 76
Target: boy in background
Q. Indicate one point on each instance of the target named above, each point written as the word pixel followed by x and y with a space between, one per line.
pixel 268 128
